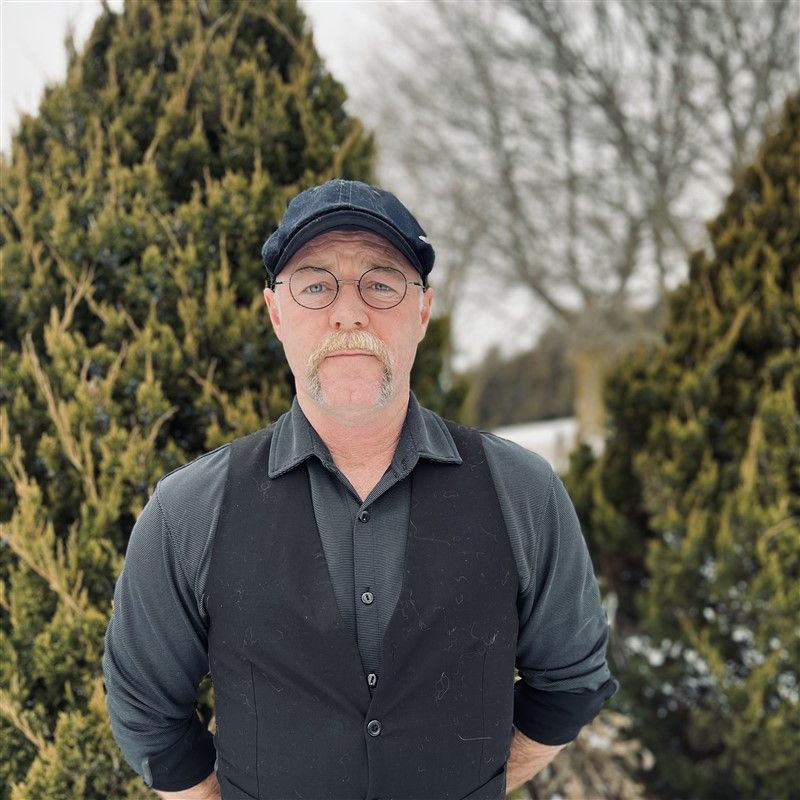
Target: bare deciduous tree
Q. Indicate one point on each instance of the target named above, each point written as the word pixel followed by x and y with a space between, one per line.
pixel 574 149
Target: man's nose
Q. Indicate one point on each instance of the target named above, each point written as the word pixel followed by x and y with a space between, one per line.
pixel 348 310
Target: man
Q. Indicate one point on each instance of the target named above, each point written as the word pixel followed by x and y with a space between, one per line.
pixel 360 577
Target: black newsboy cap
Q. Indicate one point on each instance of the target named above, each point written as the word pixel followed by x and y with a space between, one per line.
pixel 346 205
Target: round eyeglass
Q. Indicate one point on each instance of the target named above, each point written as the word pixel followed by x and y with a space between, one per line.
pixel 379 287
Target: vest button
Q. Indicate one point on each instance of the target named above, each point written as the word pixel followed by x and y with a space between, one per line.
pixel 372 679
pixel 363 516
pixel 374 727
pixel 367 598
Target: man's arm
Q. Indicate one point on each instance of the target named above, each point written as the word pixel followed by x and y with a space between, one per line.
pixel 205 790
pixel 156 645
pixel 563 631
pixel 527 758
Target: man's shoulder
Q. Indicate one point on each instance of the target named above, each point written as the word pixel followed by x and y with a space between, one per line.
pixel 203 478
pixel 200 480
pixel 515 460
pixel 511 464
pixel 515 454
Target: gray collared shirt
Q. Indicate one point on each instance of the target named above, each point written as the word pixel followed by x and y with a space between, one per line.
pixel 156 645
pixel 370 556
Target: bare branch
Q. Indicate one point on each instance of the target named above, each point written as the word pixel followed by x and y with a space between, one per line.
pixel 572 148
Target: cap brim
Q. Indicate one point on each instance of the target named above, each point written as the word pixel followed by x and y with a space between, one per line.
pixel 347 220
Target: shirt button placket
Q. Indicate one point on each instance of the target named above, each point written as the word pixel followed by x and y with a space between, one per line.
pixel 366 610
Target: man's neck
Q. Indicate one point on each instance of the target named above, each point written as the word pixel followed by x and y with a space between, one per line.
pixel 359 439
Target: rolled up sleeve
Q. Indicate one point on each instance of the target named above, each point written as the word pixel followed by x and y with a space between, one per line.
pixel 155 657
pixel 563 635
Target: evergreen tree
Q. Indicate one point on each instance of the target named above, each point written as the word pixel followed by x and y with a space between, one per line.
pixel 134 336
pixel 694 509
pixel 433 386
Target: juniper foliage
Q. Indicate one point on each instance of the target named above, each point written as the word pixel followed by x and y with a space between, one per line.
pixel 134 336
pixel 693 511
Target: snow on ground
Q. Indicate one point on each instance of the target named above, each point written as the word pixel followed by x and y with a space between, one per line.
pixel 553 439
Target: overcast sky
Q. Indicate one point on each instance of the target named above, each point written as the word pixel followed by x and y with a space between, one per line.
pixel 33 55
pixel 33 52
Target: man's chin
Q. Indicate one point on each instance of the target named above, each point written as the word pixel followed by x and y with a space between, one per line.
pixel 352 398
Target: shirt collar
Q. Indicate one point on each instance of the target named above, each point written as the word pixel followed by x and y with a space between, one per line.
pixel 424 435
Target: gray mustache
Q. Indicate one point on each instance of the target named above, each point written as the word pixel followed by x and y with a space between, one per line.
pixel 350 340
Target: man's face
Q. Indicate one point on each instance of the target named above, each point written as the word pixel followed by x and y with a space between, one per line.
pixel 349 356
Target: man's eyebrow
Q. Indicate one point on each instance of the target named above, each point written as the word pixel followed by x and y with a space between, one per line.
pixel 303 263
pixel 377 264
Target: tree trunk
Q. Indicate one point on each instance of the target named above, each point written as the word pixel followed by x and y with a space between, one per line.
pixel 590 366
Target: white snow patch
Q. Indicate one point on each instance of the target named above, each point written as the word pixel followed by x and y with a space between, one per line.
pixel 552 439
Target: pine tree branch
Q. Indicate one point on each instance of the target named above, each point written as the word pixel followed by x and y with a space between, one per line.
pixel 708 295
pixel 31 537
pixel 76 282
pixel 80 290
pixel 165 226
pixel 9 710
pixel 46 571
pixel 207 383
pixel 177 103
pixel 353 136
pixel 158 424
pixel 78 452
pixel 68 443
pixel 722 349
pixel 22 219
pixel 110 379
pixel 194 70
pixel 267 14
pixel 303 77
pixel 748 469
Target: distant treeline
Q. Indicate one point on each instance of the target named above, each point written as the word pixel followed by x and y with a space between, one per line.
pixel 535 385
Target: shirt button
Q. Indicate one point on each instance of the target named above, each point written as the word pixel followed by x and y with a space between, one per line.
pixel 374 727
pixel 363 516
pixel 367 598
pixel 372 679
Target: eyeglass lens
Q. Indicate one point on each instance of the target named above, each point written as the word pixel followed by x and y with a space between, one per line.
pixel 379 287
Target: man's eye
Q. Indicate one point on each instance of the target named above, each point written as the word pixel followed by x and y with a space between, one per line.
pixel 377 287
pixel 318 287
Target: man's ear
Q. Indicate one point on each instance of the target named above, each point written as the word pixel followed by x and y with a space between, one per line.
pixel 274 312
pixel 425 311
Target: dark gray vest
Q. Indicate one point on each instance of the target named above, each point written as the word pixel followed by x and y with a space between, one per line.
pixel 295 715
